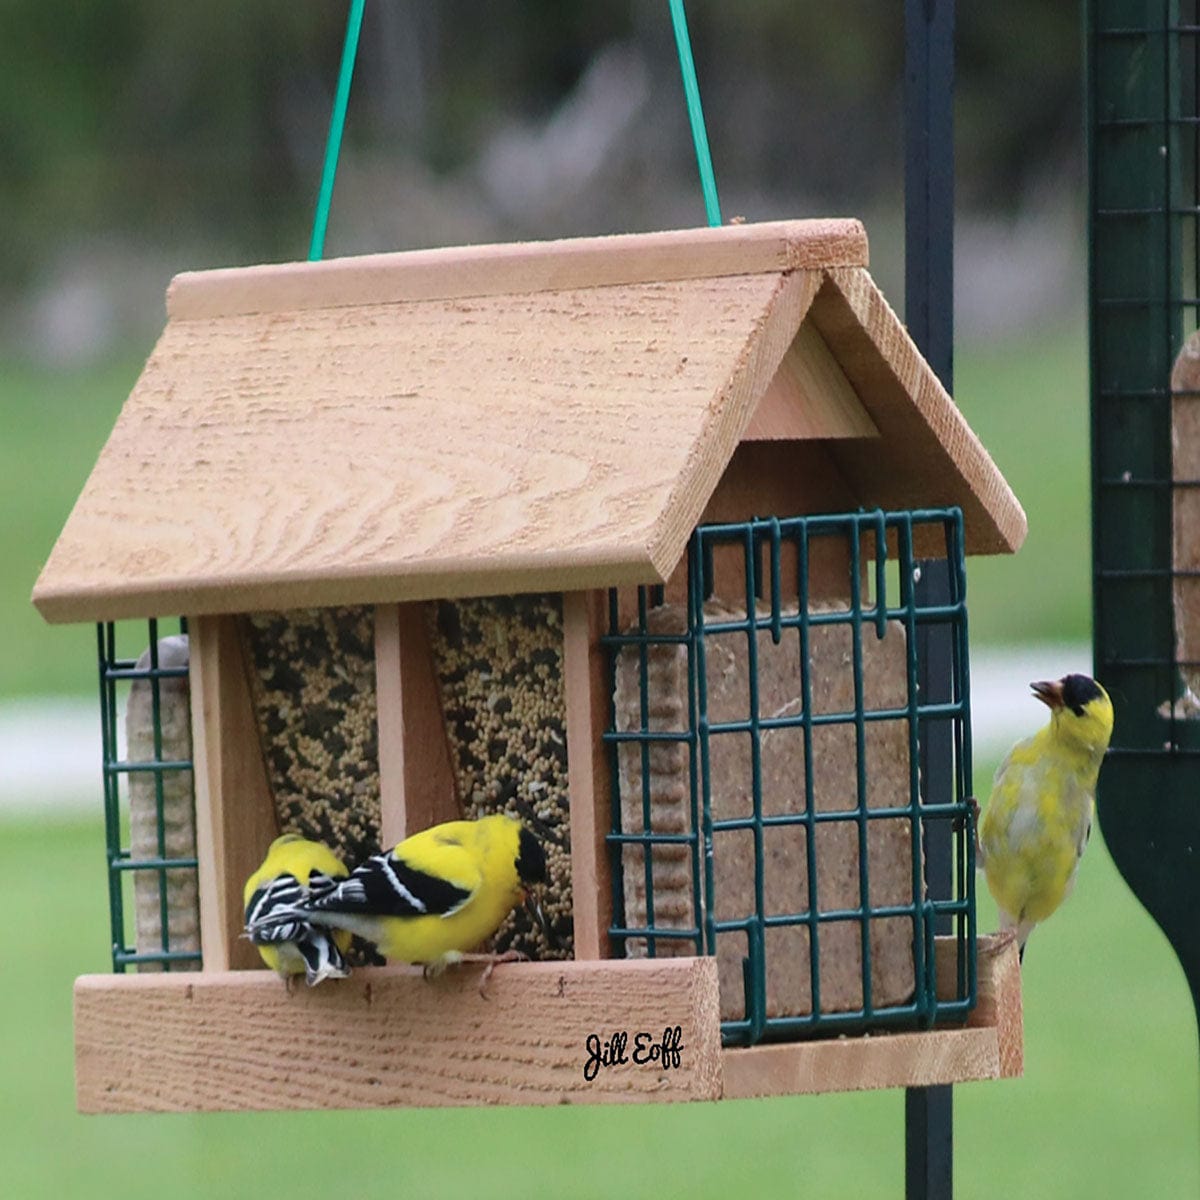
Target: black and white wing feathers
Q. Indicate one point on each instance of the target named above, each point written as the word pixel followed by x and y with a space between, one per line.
pixel 273 912
pixel 274 918
pixel 387 886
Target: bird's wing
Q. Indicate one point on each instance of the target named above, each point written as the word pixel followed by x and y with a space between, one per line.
pixel 387 885
pixel 272 912
pixel 1012 812
pixel 319 883
pixel 1085 836
pixel 1019 750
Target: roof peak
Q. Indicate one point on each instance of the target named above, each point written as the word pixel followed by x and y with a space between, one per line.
pixel 519 268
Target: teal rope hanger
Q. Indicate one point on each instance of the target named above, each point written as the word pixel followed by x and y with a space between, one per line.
pixel 691 90
pixel 337 121
pixel 337 124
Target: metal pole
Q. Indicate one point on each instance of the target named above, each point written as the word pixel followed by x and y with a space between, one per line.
pixel 929 314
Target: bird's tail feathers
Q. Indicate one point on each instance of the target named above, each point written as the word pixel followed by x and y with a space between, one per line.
pixel 322 958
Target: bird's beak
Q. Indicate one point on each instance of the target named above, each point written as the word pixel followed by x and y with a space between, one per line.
pixel 1049 693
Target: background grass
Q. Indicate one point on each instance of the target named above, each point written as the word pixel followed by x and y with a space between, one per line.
pixel 1027 401
pixel 1109 1104
pixel 54 424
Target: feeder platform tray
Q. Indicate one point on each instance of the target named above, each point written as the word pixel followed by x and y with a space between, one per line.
pixel 547 1033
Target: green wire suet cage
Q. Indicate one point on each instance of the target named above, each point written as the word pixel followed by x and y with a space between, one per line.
pixel 698 870
pixel 1143 67
pixel 149 819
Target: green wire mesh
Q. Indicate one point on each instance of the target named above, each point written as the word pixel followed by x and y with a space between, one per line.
pixel 1143 106
pixel 116 671
pixel 769 551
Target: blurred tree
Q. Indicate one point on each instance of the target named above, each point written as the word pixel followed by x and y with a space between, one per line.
pixel 176 124
pixel 124 115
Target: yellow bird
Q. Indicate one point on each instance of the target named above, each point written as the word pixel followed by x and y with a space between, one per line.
pixel 1039 817
pixel 295 870
pixel 437 895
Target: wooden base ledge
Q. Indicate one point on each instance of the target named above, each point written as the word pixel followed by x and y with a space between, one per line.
pixel 547 1033
pixel 989 1046
pixel 387 1037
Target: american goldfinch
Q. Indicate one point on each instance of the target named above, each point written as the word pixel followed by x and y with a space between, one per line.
pixel 435 896
pixel 294 871
pixel 1039 816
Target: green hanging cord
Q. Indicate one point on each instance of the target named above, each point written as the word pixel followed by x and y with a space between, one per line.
pixel 333 145
pixel 691 89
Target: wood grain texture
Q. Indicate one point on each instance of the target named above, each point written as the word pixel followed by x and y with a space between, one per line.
pixel 494 444
pixel 989 1046
pixel 734 405
pixel 861 1063
pixel 235 816
pixel 928 454
pixel 783 477
pixel 770 477
pixel 999 1004
pixel 386 1037
pixel 809 397
pixel 586 690
pixel 416 779
pixel 520 268
pixel 382 453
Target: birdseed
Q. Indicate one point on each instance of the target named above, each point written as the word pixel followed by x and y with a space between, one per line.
pixel 499 665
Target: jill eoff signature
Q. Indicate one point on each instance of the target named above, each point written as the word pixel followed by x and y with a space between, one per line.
pixel 648 1050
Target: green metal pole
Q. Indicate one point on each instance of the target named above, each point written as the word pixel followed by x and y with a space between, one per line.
pixel 1144 202
pixel 929 315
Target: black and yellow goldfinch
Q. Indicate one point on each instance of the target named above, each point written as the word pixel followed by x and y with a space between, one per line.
pixel 295 871
pixel 1039 817
pixel 437 895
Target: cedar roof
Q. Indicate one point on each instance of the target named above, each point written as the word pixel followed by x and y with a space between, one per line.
pixel 483 420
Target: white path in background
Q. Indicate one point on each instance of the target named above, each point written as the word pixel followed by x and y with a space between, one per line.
pixel 50 756
pixel 50 748
pixel 1002 706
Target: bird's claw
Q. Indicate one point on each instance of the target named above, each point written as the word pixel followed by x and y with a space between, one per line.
pixel 960 822
pixel 493 960
pixel 1005 936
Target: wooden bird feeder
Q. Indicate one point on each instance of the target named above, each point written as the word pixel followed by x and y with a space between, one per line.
pixel 407 435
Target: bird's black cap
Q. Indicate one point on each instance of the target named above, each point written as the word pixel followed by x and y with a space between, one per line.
pixel 1079 691
pixel 531 860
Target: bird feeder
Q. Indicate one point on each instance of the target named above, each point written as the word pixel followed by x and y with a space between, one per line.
pixel 616 534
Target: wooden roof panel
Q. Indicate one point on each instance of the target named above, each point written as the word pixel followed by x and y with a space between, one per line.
pixel 496 419
pixel 511 440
